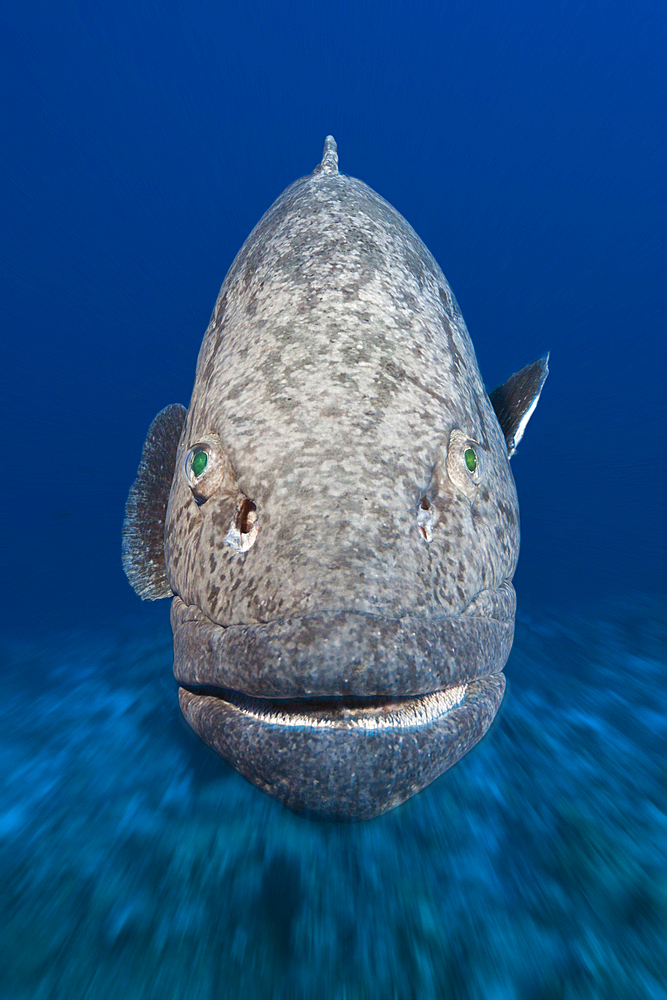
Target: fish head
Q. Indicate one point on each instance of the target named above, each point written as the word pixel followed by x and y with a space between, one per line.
pixel 342 521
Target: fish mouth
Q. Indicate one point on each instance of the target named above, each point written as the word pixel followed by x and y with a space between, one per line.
pixel 341 715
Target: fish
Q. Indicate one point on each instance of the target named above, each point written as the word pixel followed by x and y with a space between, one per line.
pixel 334 515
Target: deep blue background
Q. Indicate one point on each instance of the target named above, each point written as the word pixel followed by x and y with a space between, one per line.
pixel 524 142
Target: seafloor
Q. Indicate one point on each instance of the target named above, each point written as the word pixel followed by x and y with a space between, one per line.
pixel 136 864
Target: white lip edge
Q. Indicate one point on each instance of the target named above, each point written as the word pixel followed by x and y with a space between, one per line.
pixel 413 714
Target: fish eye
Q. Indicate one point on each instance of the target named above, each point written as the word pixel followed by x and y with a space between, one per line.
pixel 203 470
pixel 464 463
pixel 200 460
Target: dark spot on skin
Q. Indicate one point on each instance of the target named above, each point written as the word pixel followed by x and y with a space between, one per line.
pixel 210 367
pixel 415 264
pixel 507 512
pixel 405 298
pixel 219 332
pixel 482 421
pixel 450 303
pixel 221 305
pixel 234 393
pixel 394 370
pixel 425 505
pixel 457 360
pixel 425 388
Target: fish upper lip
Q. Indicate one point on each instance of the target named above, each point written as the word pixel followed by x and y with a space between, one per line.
pixel 344 654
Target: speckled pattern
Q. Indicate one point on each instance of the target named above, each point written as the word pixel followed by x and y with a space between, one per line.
pixel 333 371
pixel 336 395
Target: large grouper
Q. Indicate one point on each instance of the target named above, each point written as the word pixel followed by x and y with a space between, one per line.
pixel 334 515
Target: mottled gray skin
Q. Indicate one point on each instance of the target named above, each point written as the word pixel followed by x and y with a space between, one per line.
pixel 339 386
pixel 334 368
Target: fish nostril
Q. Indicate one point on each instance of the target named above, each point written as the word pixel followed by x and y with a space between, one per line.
pixel 243 530
pixel 425 519
pixel 243 522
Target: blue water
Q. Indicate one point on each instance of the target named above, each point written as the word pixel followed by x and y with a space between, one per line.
pixel 526 145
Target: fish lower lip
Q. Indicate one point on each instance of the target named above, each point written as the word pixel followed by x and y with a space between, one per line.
pixel 335 765
pixel 347 713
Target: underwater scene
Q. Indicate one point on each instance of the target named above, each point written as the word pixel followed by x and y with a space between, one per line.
pixel 325 756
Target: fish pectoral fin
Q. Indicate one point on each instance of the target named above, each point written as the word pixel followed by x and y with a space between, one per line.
pixel 146 508
pixel 515 400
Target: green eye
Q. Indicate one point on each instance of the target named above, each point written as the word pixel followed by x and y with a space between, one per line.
pixel 471 459
pixel 199 461
pixel 204 469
